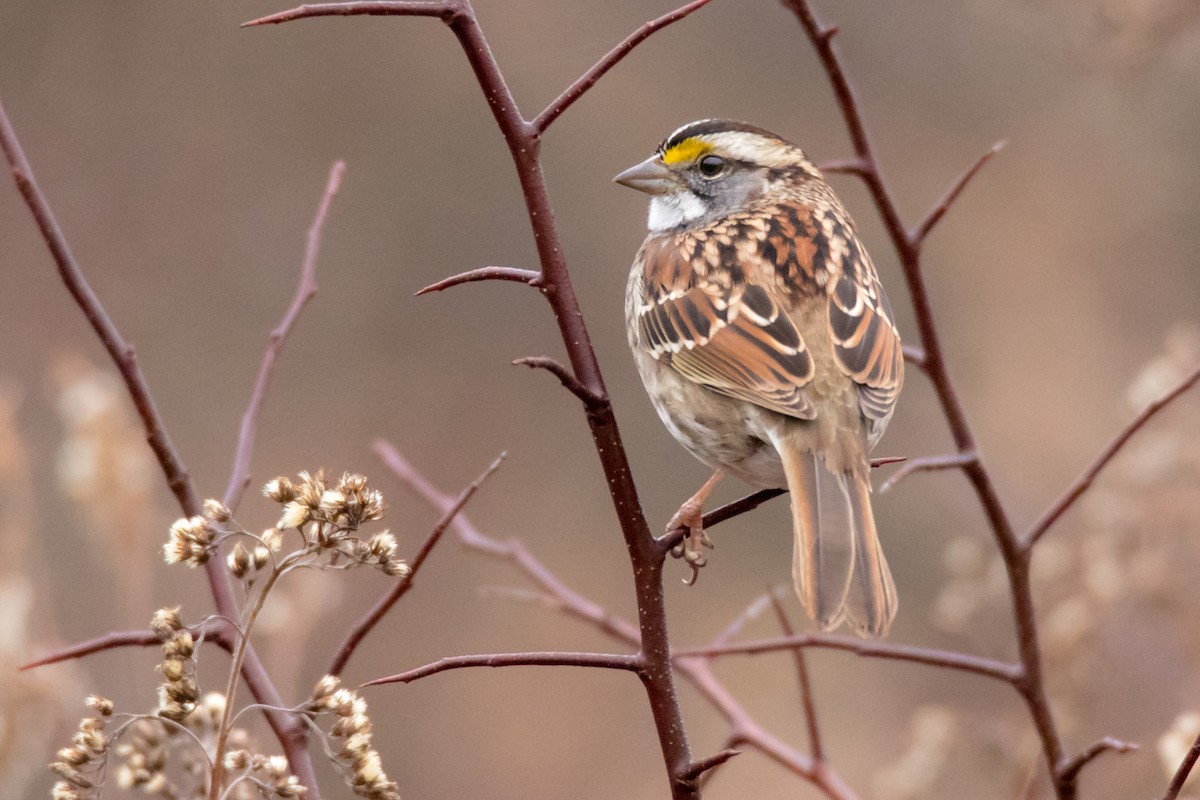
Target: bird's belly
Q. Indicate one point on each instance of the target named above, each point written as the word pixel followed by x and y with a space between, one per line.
pixel 718 430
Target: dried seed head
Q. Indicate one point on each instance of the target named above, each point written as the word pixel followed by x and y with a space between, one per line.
pixel 238 561
pixel 280 490
pixel 295 514
pixel 101 705
pixel 260 557
pixel 216 511
pixel 190 542
pixel 166 621
pixel 272 538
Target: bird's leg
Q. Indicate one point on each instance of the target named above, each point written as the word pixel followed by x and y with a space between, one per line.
pixel 690 515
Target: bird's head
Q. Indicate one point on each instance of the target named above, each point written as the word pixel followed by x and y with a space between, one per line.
pixel 711 168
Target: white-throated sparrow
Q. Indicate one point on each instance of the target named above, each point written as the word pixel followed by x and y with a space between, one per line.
pixel 766 343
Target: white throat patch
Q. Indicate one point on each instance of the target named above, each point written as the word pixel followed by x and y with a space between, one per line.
pixel 672 210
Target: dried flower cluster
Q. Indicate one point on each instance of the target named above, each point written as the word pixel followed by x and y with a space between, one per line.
pixel 353 729
pixel 178 693
pixel 328 518
pixel 270 772
pixel 193 540
pixel 78 765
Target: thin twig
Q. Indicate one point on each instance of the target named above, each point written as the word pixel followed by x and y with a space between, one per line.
pixel 1070 770
pixel 807 701
pixel 948 659
pixel 927 464
pixel 621 661
pixel 526 276
pixel 1084 482
pixel 922 231
pixel 383 7
pixel 589 398
pixel 1185 769
pixel 365 625
pixel 586 81
pixel 306 289
pixel 750 613
pixel 216 634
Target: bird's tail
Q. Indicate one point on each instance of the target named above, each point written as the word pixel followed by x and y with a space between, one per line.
pixel 837 564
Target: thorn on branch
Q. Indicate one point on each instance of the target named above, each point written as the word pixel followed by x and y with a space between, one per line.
pixel 847 166
pixel 928 464
pixel 915 356
pixel 526 276
pixel 1069 771
pixel 827 33
pixel 700 766
pixel 917 237
pixel 591 400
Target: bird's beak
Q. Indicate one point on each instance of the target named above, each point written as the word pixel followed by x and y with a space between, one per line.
pixel 651 176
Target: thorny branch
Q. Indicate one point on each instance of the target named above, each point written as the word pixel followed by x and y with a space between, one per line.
pixel 1016 551
pixel 523 138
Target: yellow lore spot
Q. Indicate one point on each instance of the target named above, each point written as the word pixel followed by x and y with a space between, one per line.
pixel 688 150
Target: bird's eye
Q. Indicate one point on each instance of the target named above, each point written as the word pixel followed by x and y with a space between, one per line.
pixel 711 166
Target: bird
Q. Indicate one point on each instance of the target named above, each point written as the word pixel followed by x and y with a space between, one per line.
pixel 766 343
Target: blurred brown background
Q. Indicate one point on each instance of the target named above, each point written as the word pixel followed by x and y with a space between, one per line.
pixel 185 157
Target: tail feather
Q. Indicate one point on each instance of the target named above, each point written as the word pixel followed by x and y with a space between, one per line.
pixel 838 567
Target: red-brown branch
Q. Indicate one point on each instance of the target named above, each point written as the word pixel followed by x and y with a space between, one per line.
pixel 586 81
pixel 291 733
pixel 927 464
pixel 1084 482
pixel 922 231
pixel 868 648
pixel 632 663
pixel 1070 769
pixel 218 634
pixel 807 700
pixel 526 276
pixel 365 625
pixel 1030 683
pixel 570 382
pixel 1181 774
pixel 306 289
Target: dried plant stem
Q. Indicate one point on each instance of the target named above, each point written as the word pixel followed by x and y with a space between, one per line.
pixel 241 643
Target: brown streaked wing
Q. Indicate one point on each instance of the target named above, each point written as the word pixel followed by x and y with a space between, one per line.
pixel 865 339
pixel 733 338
